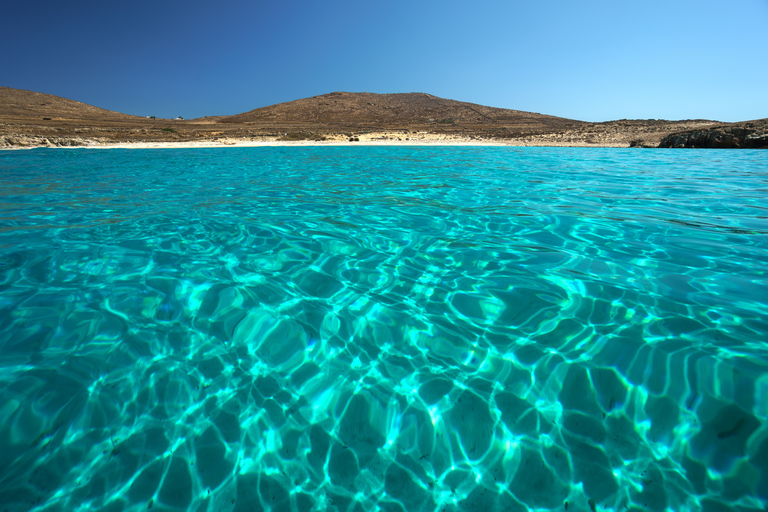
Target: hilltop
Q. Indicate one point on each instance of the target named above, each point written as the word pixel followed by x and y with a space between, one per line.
pixel 393 110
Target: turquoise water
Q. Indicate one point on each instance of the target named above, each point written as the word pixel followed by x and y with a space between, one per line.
pixel 396 329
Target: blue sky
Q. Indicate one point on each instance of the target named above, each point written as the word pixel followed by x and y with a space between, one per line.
pixel 590 60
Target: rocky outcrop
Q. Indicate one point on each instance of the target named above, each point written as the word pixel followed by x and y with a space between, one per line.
pixel 750 134
pixel 32 141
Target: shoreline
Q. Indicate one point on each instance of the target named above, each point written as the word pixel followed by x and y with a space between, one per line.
pixel 251 144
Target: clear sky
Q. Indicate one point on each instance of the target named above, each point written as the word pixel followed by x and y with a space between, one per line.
pixel 593 60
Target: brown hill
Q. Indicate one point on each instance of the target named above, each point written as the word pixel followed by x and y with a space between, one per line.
pixel 369 109
pixel 21 105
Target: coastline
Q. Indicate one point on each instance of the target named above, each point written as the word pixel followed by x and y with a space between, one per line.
pixel 233 143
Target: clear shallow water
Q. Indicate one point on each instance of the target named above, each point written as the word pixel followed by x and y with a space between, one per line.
pixel 383 329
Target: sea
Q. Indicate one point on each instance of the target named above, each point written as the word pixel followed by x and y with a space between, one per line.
pixel 396 329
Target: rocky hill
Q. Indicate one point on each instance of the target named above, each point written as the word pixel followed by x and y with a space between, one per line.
pixel 369 109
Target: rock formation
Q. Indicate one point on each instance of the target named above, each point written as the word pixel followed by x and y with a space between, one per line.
pixel 749 134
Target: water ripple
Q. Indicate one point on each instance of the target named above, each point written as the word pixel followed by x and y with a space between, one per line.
pixel 383 329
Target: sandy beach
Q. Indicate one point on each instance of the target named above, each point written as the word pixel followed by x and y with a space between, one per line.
pixel 373 139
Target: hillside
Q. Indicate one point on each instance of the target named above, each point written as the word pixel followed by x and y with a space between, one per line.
pixel 362 108
pixel 25 106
